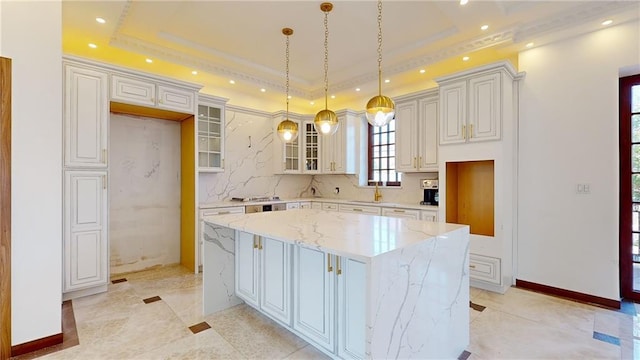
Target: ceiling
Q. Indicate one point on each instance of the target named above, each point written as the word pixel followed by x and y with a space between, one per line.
pixel 243 41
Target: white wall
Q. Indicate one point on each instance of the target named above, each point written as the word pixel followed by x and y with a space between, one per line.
pixel 31 36
pixel 144 193
pixel 249 170
pixel 569 135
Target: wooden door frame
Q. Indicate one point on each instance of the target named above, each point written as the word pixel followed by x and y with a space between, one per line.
pixel 5 208
pixel 625 201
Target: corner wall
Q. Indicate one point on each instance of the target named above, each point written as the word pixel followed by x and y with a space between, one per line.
pixel 569 136
pixel 32 38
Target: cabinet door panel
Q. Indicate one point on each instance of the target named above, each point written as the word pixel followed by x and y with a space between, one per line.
pixel 246 263
pixel 453 112
pixel 133 91
pixel 86 252
pixel 85 191
pixel 314 296
pixel 428 134
pixel 484 107
pixel 352 294
pixel 86 115
pixel 406 138
pixel 276 279
pixel 176 99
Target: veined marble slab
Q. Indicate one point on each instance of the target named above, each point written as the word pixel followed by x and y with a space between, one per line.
pixel 218 276
pixel 360 237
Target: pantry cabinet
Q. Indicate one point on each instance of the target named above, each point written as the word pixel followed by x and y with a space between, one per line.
pixel 417 132
pixel 473 103
pixel 86 117
pixel 85 230
pixel 263 274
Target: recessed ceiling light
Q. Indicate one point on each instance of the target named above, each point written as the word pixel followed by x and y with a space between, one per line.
pixel 529 45
pixel 232 82
pixel 466 58
pixel 422 71
pixel 607 22
pixel 484 27
pixel 312 102
pixel 386 81
pixel 464 2
pixel 263 90
pixel 92 45
pixel 149 60
pixel 194 72
pixel 289 97
pixel 357 89
pixel 333 96
pixel 101 20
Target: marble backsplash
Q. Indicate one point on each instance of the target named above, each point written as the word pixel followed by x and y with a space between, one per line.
pixel 249 164
pixel 144 193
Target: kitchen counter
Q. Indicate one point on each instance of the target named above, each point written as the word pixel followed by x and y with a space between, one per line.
pixel 229 203
pixel 353 285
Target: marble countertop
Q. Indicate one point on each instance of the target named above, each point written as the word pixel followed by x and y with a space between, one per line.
pixel 416 206
pixel 357 236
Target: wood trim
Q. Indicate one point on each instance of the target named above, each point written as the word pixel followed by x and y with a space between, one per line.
pixel 188 194
pixel 569 294
pixel 625 201
pixel 5 208
pixel 38 344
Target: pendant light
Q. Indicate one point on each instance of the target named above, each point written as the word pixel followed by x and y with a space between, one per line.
pixel 326 121
pixel 380 109
pixel 287 129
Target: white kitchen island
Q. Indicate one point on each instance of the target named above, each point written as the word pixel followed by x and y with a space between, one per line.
pixel 354 286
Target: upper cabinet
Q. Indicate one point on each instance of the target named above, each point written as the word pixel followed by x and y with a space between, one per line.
pixel 151 93
pixel 86 116
pixel 287 157
pixel 473 103
pixel 417 132
pixel 210 133
pixel 339 150
pixel 310 148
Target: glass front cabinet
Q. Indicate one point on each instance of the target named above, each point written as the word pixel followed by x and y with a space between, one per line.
pixel 210 128
pixel 301 156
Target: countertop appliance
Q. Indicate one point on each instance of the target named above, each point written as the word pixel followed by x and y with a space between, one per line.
pixel 430 189
pixel 260 208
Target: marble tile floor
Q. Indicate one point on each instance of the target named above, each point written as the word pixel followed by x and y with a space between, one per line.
pixel 517 325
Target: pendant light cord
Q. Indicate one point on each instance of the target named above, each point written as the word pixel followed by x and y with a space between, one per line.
pixel 326 58
pixel 379 47
pixel 287 71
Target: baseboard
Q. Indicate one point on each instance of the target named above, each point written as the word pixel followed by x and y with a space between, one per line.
pixel 38 344
pixel 487 286
pixel 569 294
pixel 84 292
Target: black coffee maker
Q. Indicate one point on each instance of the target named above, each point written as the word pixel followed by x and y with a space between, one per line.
pixel 430 188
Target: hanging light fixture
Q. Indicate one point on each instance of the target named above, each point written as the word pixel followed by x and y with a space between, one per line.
pixel 287 129
pixel 380 109
pixel 326 121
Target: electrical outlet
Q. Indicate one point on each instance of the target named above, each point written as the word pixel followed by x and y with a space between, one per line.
pixel 336 191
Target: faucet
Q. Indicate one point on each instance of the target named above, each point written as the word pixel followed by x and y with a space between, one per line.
pixel 377 195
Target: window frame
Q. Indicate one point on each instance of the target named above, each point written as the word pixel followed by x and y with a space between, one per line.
pixel 370 169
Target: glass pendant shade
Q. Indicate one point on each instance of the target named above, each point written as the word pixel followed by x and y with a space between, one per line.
pixel 326 122
pixel 380 110
pixel 288 130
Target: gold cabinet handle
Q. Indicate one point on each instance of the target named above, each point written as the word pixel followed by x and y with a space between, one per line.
pixel 414 161
pixel 104 155
pixel 223 213
pixel 338 266
pixel 398 211
pixel 356 209
pixel 464 131
pixel 472 266
pixel 329 267
pixel 160 101
pixel 255 242
pixel 470 131
pixel 259 243
pixel 104 182
pixel 419 160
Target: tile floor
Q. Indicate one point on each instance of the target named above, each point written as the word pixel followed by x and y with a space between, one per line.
pixel 517 325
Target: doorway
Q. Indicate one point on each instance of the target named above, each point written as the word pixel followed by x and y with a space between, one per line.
pixel 629 143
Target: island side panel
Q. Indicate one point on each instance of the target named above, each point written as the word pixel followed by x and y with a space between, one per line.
pixel 419 304
pixel 218 278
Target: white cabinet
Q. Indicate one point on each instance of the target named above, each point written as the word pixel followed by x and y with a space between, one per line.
pixel 401 213
pixel 150 93
pixel 210 133
pixel 310 148
pixel 320 206
pixel 359 209
pixel 305 205
pixel 263 274
pixel 287 156
pixel 484 268
pixel 86 117
pixel 417 132
pixel 473 103
pixel 85 230
pixel 339 150
pixel 317 275
pixel 293 205
pixel 329 206
pixel 429 215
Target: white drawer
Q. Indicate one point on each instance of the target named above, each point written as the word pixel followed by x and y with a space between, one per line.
pixel 316 205
pixel 305 205
pixel 401 213
pixel 371 210
pixel 223 211
pixel 329 206
pixel 484 268
pixel 429 215
pixel 293 205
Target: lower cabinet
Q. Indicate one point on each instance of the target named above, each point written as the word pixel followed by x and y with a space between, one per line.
pixel 429 215
pixel 85 230
pixel 263 275
pixel 401 213
pixel 329 301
